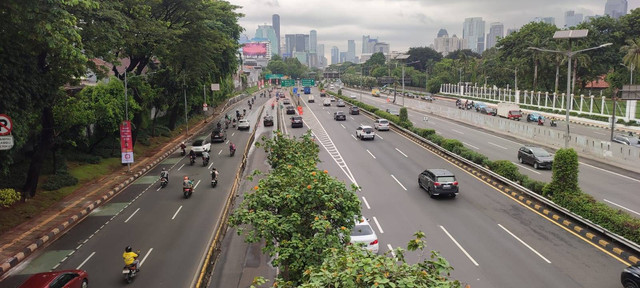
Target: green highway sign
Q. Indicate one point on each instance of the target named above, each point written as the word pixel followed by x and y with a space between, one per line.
pixel 308 82
pixel 287 83
pixel 274 76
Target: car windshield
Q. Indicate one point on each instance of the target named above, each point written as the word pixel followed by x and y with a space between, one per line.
pixel 446 179
pixel 383 122
pixel 198 142
pixel 540 152
pixel 367 130
pixel 361 230
pixel 515 112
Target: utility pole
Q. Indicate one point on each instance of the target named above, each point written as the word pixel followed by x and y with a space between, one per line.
pixel 184 89
pixel 126 108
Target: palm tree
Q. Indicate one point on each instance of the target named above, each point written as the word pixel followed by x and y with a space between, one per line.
pixel 632 53
pixel 583 60
pixel 536 42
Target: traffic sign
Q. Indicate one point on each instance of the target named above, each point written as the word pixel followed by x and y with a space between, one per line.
pixel 273 76
pixel 295 90
pixel 6 142
pixel 204 107
pixel 5 125
pixel 308 82
pixel 287 83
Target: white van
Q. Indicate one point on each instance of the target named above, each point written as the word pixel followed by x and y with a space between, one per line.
pixel 311 99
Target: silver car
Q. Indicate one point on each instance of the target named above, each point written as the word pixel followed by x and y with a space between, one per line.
pixel 363 233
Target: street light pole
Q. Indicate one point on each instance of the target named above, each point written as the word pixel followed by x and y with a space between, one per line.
pixel 184 89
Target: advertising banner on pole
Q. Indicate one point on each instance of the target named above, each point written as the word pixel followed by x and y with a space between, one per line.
pixel 126 142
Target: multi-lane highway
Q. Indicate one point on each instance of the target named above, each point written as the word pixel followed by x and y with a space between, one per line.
pixel 171 232
pixel 612 185
pixel 491 240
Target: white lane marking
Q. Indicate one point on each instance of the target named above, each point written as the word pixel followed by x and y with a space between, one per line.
pixel 391 249
pixel 494 144
pixel 180 167
pixel 380 136
pixel 196 186
pixel 159 188
pixel 85 260
pixel 343 126
pixel 625 208
pixel 610 172
pixel 374 157
pixel 134 213
pixel 394 178
pixel 598 133
pixel 145 257
pixel 351 118
pixel 176 214
pixel 365 202
pixel 534 171
pixel 378 224
pixel 220 152
pixel 474 147
pixel 211 164
pixel 354 137
pixel 405 155
pixel 226 142
pixel 454 130
pixel 234 133
pixel 459 246
pixel 525 244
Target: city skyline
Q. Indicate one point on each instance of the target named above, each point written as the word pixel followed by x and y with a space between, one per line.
pixel 410 24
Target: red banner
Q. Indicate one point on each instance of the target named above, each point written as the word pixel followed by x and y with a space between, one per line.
pixel 126 142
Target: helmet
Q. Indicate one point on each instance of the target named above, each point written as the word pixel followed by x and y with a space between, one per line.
pixel 186 177
pixel 128 249
pixel 163 169
pixel 214 168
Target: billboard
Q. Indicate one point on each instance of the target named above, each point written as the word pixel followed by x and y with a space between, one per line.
pixel 254 49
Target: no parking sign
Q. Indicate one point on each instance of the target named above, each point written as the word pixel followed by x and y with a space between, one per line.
pixel 5 125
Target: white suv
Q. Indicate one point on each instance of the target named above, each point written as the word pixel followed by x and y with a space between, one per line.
pixel 381 124
pixel 363 233
pixel 365 132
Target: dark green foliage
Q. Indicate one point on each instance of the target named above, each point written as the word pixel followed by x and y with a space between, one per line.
pixel 59 180
pixel 452 145
pixel 474 156
pixel 565 172
pixel 507 169
pixel 83 157
pixel 435 138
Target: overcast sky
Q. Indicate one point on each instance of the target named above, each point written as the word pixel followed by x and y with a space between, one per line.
pixel 401 23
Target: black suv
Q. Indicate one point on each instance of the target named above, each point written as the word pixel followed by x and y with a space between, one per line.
pixel 268 121
pixel 630 276
pixel 296 122
pixel 218 135
pixel 339 116
pixel 354 110
pixel 291 110
pixel 536 156
pixel 438 182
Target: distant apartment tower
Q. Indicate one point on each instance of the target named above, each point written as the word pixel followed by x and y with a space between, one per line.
pixel 367 44
pixel 496 32
pixel 335 55
pixel 322 60
pixel 267 32
pixel 445 44
pixel 615 8
pixel 313 41
pixel 381 47
pixel 473 31
pixel 275 22
pixel 351 51
pixel 548 20
pixel 572 19
pixel 296 43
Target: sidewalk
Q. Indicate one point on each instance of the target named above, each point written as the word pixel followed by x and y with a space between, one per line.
pixel 21 241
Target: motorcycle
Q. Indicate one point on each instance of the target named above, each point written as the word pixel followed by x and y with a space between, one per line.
pixel 187 192
pixel 469 106
pixel 553 123
pixel 130 272
pixel 214 183
pixel 183 147
pixel 205 161
pixel 232 151
pixel 163 182
pixel 192 160
pixel 541 122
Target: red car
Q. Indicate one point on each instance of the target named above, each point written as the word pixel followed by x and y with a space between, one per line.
pixel 58 279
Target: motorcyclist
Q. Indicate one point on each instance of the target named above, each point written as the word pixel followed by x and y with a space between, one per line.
pixel 130 258
pixel 183 147
pixel 244 111
pixel 540 121
pixel 273 105
pixel 232 147
pixel 219 125
pixel 187 183
pixel 192 154
pixel 164 174
pixel 214 173
pixel 205 155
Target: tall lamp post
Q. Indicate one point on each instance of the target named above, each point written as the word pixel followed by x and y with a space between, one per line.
pixel 405 64
pixel 569 34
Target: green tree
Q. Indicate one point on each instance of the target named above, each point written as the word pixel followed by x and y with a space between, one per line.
pixel 351 267
pixel 564 178
pixel 631 53
pixel 298 210
pixel 424 55
pixel 377 59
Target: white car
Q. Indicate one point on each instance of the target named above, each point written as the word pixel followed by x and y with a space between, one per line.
pixel 353 96
pixel 244 124
pixel 363 233
pixel 326 102
pixel 365 132
pixel 201 145
pixel 340 103
pixel 381 124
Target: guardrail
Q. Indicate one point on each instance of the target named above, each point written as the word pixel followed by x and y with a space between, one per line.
pixel 215 247
pixel 621 247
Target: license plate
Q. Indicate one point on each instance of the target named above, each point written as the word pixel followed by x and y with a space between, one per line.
pixel 125 271
pixel 446 186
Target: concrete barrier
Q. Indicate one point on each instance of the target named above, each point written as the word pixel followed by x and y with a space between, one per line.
pixel 616 154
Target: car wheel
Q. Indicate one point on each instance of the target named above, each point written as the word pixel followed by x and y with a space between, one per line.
pixel 374 137
pixel 85 283
pixel 630 284
pixel 429 191
pixel 535 166
pixel 520 160
pixel 420 184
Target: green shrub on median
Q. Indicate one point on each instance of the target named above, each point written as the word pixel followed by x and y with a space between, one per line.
pixel 8 197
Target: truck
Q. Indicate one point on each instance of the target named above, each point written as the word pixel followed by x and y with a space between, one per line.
pixel 375 92
pixel 509 110
pixel 307 90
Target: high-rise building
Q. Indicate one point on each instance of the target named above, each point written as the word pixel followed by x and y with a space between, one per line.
pixel 445 44
pixel 496 31
pixel 367 44
pixel 296 43
pixel 381 47
pixel 322 60
pixel 343 57
pixel 548 20
pixel 313 41
pixel 473 31
pixel 267 32
pixel 571 18
pixel 335 55
pixel 275 22
pixel 615 8
pixel 511 31
pixel 351 51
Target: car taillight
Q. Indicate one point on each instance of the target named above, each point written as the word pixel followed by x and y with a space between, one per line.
pixel 374 242
pixel 455 183
pixel 436 183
